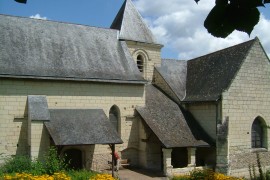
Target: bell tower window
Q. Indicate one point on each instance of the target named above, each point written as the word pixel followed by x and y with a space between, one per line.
pixel 140 62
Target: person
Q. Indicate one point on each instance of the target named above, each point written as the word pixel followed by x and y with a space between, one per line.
pixel 116 158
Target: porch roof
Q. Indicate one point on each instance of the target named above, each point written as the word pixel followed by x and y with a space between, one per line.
pixel 81 127
pixel 166 120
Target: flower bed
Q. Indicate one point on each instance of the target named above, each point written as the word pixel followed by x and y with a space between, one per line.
pixel 206 174
pixel 55 176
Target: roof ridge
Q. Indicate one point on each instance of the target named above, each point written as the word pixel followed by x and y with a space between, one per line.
pixel 230 47
pixel 55 21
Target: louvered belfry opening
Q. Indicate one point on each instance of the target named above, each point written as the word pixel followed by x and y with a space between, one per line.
pixel 140 62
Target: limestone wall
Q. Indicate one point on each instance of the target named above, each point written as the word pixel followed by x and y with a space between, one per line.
pixel 247 98
pixel 61 95
pixel 205 114
pixel 150 52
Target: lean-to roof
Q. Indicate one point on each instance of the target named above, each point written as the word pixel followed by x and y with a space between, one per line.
pixel 166 120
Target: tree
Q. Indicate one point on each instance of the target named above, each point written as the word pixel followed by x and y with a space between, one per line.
pixel 229 15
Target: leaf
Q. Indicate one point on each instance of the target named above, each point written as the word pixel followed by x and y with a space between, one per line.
pixel 222 2
pixel 243 19
pixel 246 3
pixel 217 22
pixel 21 1
pixel 266 1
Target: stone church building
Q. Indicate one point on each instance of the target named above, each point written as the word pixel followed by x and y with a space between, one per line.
pixel 82 89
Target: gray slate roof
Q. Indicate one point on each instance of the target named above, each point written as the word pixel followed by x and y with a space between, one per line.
pixel 81 127
pixel 38 108
pixel 131 25
pixel 31 48
pixel 166 120
pixel 174 73
pixel 206 76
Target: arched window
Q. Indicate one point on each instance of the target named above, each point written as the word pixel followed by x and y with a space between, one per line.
pixel 258 133
pixel 140 62
pixel 114 116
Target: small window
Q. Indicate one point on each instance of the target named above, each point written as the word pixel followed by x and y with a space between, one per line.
pixel 140 62
pixel 257 134
pixel 114 116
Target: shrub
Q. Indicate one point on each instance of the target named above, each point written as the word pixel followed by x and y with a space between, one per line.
pixel 17 164
pixel 53 163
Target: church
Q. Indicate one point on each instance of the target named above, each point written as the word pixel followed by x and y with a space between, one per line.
pixel 83 89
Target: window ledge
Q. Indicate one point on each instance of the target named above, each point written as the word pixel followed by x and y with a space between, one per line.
pixel 258 150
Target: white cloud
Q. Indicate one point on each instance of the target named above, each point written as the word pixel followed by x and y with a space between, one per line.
pixel 179 26
pixel 38 16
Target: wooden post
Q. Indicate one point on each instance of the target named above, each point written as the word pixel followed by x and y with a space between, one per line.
pixel 113 159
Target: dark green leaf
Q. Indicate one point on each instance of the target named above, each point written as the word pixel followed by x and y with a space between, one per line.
pixel 243 19
pixel 21 1
pixel 222 2
pixel 217 22
pixel 246 3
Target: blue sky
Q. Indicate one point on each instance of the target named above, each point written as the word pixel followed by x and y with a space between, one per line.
pixel 178 24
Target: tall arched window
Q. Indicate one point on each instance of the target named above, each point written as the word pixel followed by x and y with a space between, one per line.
pixel 140 62
pixel 258 133
pixel 114 116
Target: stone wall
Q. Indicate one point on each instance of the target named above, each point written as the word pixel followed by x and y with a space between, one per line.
pixel 149 148
pixel 205 114
pixel 151 54
pixel 61 95
pixel 247 98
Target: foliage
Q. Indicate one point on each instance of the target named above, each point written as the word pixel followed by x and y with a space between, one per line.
pixel 53 163
pixel 206 174
pixel 81 174
pixel 229 15
pixel 17 164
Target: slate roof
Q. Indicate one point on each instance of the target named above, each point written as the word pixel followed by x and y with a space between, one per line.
pixel 31 48
pixel 131 25
pixel 81 127
pixel 38 108
pixel 206 76
pixel 174 73
pixel 166 120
